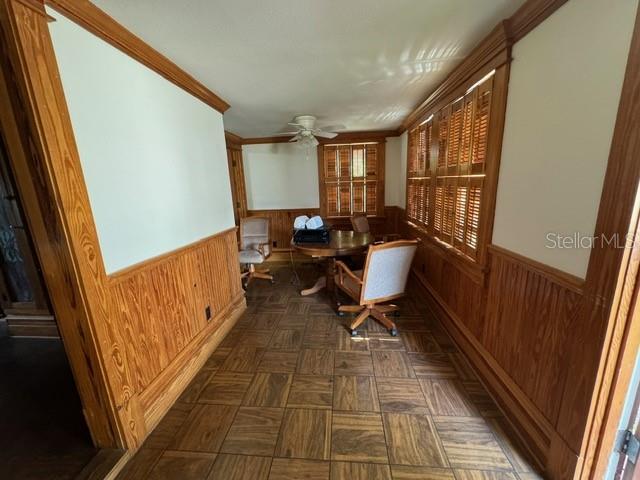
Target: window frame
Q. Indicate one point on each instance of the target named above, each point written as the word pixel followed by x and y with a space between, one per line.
pixel 476 263
pixel 376 179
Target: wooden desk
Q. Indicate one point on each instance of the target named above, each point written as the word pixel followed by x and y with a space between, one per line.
pixel 341 243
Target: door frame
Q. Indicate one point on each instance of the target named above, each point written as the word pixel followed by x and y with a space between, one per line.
pixel 21 128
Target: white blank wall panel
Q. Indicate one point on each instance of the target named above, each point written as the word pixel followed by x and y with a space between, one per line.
pixel 153 156
pixel 566 79
pixel 281 176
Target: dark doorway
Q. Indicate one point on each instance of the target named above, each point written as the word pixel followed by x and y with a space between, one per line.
pixel 43 434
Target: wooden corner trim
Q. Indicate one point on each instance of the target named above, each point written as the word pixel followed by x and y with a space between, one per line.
pixel 232 139
pixel 124 273
pixel 96 21
pixel 563 279
pixel 531 14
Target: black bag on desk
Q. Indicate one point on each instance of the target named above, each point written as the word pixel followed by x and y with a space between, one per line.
pixel 316 235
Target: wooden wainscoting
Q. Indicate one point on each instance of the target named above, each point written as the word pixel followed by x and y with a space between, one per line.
pixel 281 223
pixel 161 304
pixel 513 319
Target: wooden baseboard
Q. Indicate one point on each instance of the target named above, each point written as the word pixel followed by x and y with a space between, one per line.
pixel 164 390
pixel 530 425
pixel 36 326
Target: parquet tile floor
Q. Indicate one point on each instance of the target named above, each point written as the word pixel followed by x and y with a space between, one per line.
pixel 289 394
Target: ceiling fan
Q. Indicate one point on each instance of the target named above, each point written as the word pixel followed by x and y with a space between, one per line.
pixel 305 132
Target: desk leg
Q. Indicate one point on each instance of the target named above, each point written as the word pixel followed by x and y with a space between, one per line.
pixel 319 285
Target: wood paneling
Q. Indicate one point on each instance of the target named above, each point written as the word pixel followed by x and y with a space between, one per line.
pixel 134 339
pixel 281 224
pixel 90 17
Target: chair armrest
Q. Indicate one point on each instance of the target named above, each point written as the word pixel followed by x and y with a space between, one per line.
pixel 343 269
pixel 262 249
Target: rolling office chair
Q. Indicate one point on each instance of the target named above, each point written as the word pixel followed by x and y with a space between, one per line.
pixel 255 247
pixel 383 279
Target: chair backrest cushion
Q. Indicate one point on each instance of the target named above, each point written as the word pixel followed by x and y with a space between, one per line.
pixel 360 224
pixel 387 269
pixel 253 232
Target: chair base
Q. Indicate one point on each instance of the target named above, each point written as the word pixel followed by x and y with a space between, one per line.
pixel 378 312
pixel 255 273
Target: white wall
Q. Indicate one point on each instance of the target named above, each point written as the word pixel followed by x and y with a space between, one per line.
pixel 564 89
pixel 153 156
pixel 280 176
pixel 283 176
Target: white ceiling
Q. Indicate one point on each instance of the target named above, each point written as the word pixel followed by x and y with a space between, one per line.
pixel 362 63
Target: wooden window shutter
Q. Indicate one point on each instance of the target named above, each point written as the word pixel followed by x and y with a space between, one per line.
pixel 332 199
pixel 330 162
pixel 358 197
pixel 344 190
pixel 439 206
pixel 473 216
pixel 467 128
pixel 412 157
pixel 481 126
pixel 459 226
pixel 448 210
pixel 344 162
pixel 455 131
pixel 372 198
pixel 442 138
pixel 372 159
pixel 358 161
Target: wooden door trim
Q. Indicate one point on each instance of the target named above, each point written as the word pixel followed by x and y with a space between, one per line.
pixel 49 179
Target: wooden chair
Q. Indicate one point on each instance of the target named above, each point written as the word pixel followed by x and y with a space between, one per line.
pixel 360 224
pixel 255 247
pixel 383 279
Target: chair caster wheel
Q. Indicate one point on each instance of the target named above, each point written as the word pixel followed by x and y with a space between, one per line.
pixel 354 333
pixel 396 313
pixel 339 313
pixel 394 332
pixel 273 282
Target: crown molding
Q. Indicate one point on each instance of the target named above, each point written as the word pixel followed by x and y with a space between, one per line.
pixel 232 138
pixel 96 21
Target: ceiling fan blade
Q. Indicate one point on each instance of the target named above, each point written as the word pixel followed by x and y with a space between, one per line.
pixel 296 138
pixel 332 128
pixel 288 133
pixel 295 124
pixel 320 133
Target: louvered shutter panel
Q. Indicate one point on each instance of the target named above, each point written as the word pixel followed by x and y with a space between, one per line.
pixel 412 153
pixel 481 126
pixel 467 130
pixel 332 200
pixel 455 130
pixel 357 161
pixel 358 197
pixel 330 162
pixel 344 162
pixel 372 160
pixel 448 210
pixel 473 216
pixel 439 206
pixel 443 129
pixel 372 198
pixel 344 190
pixel 460 213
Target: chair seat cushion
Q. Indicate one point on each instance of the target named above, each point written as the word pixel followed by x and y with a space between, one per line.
pixel 250 256
pixel 349 283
